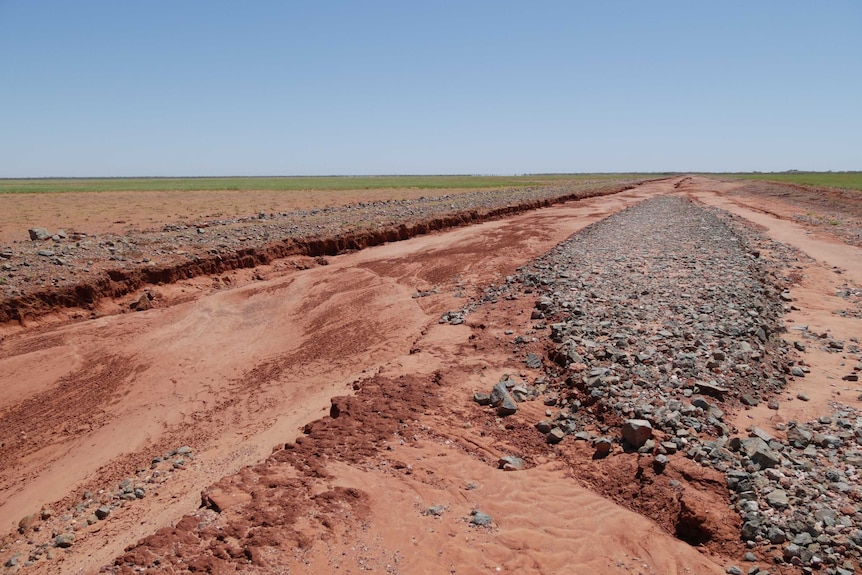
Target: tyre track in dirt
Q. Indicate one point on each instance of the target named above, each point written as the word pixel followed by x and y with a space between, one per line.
pixel 236 371
pixel 402 465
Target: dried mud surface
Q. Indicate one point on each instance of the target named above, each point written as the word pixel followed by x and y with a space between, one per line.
pixel 323 420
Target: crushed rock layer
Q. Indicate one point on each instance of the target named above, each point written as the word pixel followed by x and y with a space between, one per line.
pixel 660 321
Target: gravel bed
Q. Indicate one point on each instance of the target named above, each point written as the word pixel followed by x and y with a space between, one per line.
pixel 658 321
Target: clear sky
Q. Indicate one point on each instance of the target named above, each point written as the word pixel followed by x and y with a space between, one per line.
pixel 193 87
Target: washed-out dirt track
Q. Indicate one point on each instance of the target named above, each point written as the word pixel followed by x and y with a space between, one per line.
pixel 234 372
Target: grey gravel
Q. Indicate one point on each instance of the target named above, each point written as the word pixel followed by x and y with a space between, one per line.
pixel 481 519
pixel 665 314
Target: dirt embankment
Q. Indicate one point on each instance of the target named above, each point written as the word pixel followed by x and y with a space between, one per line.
pixel 96 276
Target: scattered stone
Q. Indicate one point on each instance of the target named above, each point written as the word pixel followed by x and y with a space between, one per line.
pixel 603 446
pixel 777 499
pixel 64 540
pixel 480 519
pixel 26 524
pixel 103 512
pixel 533 361
pixel 748 399
pixel 713 390
pixel 544 426
pixel 556 435
pixel 38 234
pixel 482 398
pixel 143 303
pixel 511 463
pixel 637 431
pixel 436 510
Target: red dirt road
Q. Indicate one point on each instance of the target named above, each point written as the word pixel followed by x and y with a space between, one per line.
pixel 233 372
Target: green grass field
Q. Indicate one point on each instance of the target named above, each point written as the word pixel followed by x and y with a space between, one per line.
pixel 298 183
pixel 847 180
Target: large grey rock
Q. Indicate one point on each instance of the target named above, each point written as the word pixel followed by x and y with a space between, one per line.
pixel 533 361
pixel 38 234
pixel 799 436
pixel 637 431
pixel 507 406
pixel 481 519
pixel 64 540
pixel 760 453
pixel 499 393
pixel 556 435
pixel 777 499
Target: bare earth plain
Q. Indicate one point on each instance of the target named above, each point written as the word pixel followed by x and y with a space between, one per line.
pixel 314 414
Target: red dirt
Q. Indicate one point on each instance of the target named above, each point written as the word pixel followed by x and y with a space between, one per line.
pixel 114 282
pixel 238 368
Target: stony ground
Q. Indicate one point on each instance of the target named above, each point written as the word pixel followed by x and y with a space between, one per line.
pixel 838 212
pixel 73 268
pixel 634 356
pixel 659 320
pixel 648 329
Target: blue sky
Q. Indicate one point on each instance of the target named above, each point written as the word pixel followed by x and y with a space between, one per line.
pixel 161 88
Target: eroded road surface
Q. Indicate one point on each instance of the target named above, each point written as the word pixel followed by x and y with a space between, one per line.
pixel 223 370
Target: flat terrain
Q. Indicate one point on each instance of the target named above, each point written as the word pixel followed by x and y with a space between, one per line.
pixel 47 269
pixel 833 180
pixel 226 387
pixel 118 205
